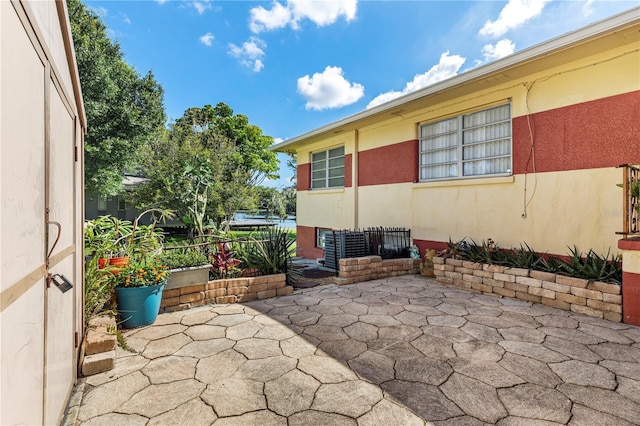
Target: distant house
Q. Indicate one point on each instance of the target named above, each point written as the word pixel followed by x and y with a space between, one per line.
pixel 523 149
pixel 116 205
pixel 42 127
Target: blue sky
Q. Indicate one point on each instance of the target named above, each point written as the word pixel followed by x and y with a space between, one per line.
pixel 295 65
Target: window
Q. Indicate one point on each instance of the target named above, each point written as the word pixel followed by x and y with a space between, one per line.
pixel 327 168
pixel 122 203
pixel 474 144
pixel 320 236
pixel 102 203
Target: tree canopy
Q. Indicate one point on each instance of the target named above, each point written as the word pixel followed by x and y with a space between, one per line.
pixel 207 166
pixel 124 109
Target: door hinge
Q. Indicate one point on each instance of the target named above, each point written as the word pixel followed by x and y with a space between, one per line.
pixel 75 153
pixel 75 339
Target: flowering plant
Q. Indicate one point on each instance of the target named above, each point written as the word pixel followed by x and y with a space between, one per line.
pixel 141 274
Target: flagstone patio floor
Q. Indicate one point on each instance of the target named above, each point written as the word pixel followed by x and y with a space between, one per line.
pixel 397 351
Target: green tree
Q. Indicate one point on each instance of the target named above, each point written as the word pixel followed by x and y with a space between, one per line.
pixel 271 201
pixel 206 142
pixel 124 109
pixel 289 195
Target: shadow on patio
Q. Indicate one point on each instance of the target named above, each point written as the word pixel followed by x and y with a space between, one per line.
pixel 397 351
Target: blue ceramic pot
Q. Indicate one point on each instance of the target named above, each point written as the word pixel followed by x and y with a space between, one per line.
pixel 139 306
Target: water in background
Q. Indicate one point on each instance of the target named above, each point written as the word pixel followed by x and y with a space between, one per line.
pixel 289 223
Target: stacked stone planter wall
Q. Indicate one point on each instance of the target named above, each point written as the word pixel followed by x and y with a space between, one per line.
pixel 578 295
pixel 225 291
pixel 358 269
pixel 99 346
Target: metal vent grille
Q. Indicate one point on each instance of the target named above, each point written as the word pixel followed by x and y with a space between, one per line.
pixel 343 244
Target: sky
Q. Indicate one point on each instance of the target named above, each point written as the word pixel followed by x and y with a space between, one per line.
pixel 292 66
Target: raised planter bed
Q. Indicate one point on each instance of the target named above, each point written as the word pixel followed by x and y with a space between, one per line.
pixel 231 290
pixel 596 299
pixel 184 277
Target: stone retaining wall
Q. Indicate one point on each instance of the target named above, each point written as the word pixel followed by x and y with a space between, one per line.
pixel 358 269
pixel 231 290
pixel 596 299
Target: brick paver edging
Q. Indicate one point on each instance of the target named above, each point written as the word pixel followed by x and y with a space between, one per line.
pixel 593 298
pixel 231 290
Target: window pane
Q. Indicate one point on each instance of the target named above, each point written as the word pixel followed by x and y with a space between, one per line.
pixel 485 139
pixel 438 157
pixel 485 167
pixel 336 162
pixel 320 174
pixel 439 172
pixel 327 168
pixel 319 184
pixel 336 152
pixel 335 182
pixel 338 171
pixel 317 156
pixel 323 233
pixel 438 142
pixel 445 126
pixel 487 133
pixel 102 203
pixel 483 150
pixel 487 116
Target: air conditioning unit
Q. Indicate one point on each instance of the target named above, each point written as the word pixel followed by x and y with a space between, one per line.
pixel 343 244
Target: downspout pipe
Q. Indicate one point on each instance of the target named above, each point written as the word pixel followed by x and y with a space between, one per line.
pixel 354 177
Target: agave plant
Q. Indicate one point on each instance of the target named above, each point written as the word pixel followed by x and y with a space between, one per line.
pixel 273 251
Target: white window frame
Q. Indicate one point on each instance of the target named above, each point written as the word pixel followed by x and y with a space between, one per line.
pixel 457 132
pixel 320 236
pixel 319 165
pixel 102 203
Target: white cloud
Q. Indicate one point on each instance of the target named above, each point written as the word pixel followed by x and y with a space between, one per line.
pixel 329 89
pixel 126 19
pixel 514 14
pixel 266 20
pixel 100 11
pixel 446 68
pixel 587 9
pixel 201 6
pixel 161 1
pixel 207 39
pixel 321 13
pixel 503 48
pixel 250 53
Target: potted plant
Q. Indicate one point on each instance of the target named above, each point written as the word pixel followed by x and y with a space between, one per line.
pixel 139 288
pixel 187 266
pixel 117 241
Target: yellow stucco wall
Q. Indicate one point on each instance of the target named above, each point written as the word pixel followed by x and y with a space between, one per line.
pixel 578 207
pixel 330 208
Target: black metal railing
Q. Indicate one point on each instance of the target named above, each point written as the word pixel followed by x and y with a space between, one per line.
pixel 631 200
pixel 388 243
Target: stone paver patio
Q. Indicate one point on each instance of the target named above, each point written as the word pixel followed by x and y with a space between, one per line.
pixel 398 351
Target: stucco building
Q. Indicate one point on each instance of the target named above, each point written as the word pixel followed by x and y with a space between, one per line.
pixel 523 149
pixel 42 124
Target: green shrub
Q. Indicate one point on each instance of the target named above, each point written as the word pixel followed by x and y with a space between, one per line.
pixel 271 251
pixel 591 266
pixel 183 258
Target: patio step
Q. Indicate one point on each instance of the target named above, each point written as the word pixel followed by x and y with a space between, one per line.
pixel 100 345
